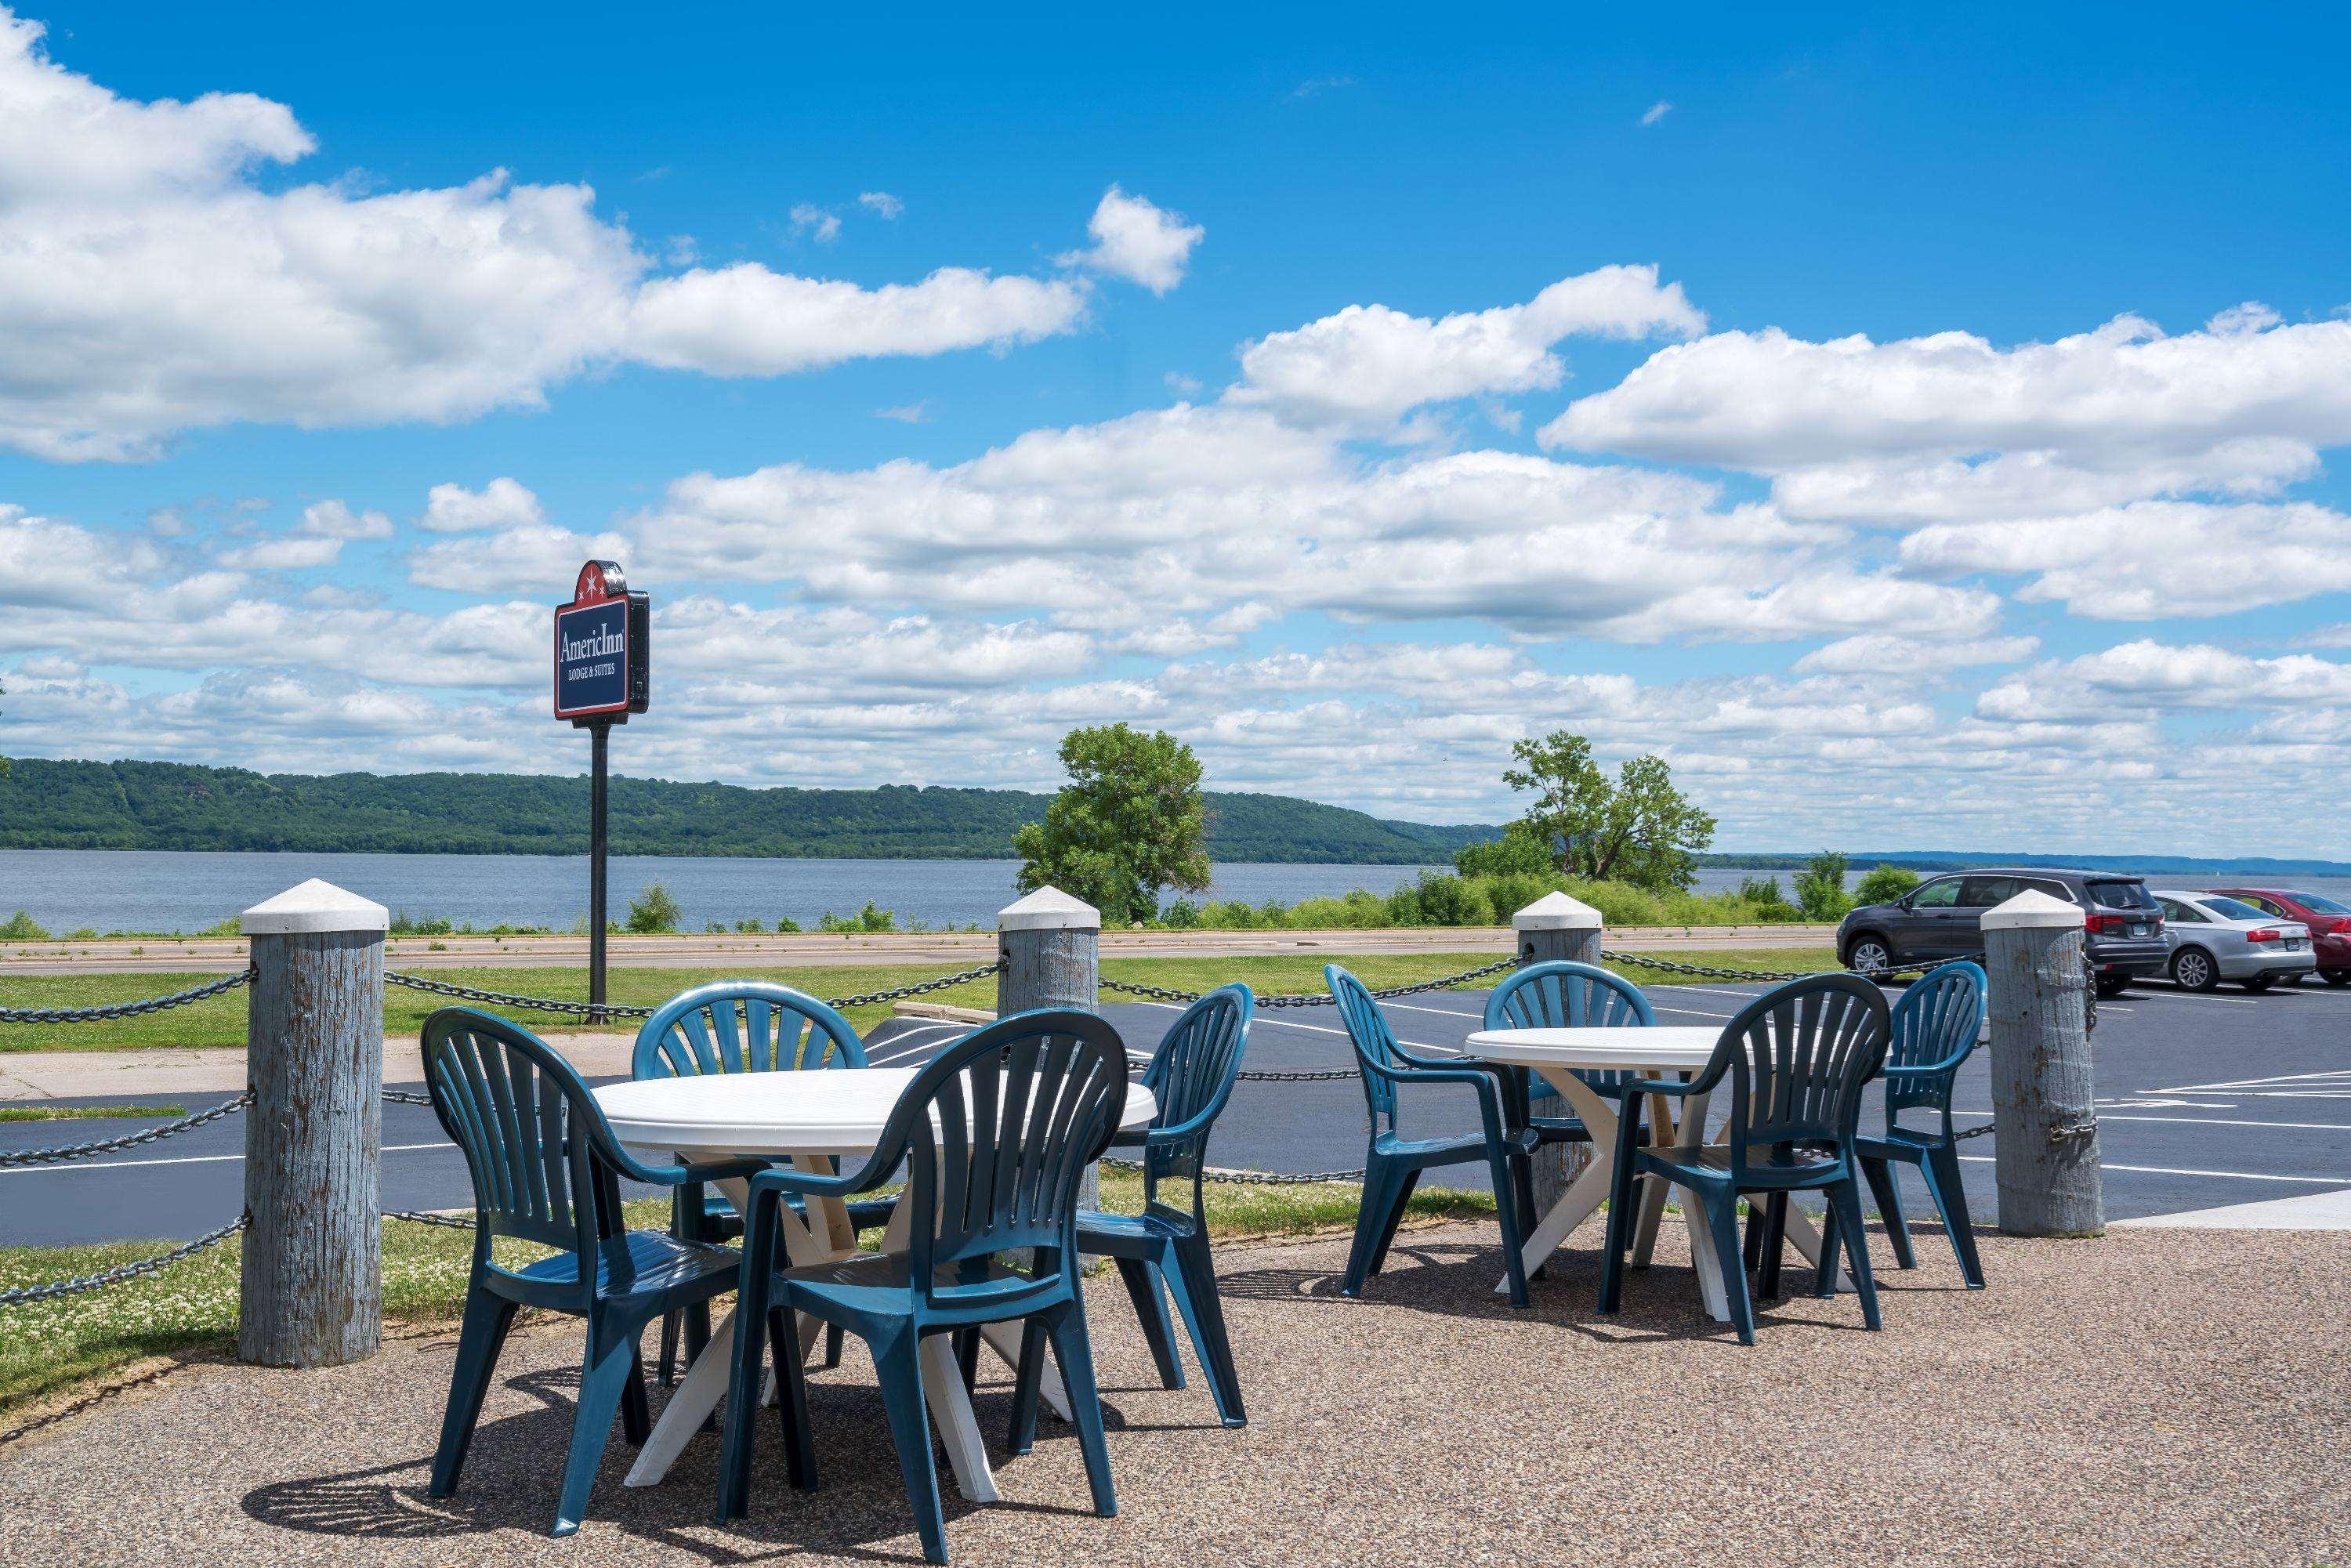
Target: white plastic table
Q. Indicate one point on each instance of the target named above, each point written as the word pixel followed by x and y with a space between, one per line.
pixel 811 1119
pixel 1656 1053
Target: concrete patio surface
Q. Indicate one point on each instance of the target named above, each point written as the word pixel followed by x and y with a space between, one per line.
pixel 2154 1396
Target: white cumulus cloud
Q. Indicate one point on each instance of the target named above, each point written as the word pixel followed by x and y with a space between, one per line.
pixel 1138 241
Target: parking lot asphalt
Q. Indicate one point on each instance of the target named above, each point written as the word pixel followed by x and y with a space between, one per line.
pixel 2205 1101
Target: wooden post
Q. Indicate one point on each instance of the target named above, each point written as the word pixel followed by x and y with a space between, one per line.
pixel 1050 947
pixel 1557 927
pixel 2043 1106
pixel 311 1292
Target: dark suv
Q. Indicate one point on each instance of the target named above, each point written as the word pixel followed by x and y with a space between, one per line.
pixel 1941 918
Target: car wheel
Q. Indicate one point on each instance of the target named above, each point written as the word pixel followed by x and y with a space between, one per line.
pixel 2335 977
pixel 1869 956
pixel 2193 969
pixel 2257 982
pixel 2113 985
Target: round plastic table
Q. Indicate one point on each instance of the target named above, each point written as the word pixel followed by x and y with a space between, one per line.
pixel 812 1119
pixel 1659 1052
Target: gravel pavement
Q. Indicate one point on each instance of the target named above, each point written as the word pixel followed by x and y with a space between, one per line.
pixel 2150 1397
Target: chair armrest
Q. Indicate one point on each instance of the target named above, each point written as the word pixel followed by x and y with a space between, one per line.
pixel 612 1152
pixel 1667 1086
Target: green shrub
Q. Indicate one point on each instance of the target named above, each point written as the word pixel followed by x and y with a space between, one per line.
pixel 20 927
pixel 1450 900
pixel 1884 885
pixel 749 927
pixel 654 911
pixel 1820 888
pixel 406 924
pixel 1181 915
pixel 786 926
pixel 869 918
pixel 85 933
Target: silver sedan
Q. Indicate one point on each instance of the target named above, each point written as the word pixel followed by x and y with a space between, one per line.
pixel 2214 938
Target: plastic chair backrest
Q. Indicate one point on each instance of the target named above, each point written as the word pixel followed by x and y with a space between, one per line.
pixel 1192 1073
pixel 744 1026
pixel 528 1126
pixel 1799 1057
pixel 997 1132
pixel 1374 1043
pixel 1561 994
pixel 1938 1020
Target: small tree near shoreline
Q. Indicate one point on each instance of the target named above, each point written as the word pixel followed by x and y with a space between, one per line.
pixel 1130 823
pixel 1638 828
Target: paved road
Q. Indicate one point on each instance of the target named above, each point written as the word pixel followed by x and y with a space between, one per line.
pixel 2205 1101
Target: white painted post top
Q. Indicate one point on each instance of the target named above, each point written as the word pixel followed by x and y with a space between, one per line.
pixel 315 906
pixel 1557 912
pixel 1049 909
pixel 2031 911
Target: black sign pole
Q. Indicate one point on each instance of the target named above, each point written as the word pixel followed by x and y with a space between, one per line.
pixel 599 736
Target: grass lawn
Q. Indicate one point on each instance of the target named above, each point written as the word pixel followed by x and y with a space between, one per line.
pixel 49 1347
pixel 89 1113
pixel 220 1020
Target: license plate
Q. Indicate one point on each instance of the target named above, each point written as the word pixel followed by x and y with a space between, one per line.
pixel 2139 930
pixel 2296 944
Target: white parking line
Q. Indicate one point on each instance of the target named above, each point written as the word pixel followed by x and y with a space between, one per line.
pixel 179 1160
pixel 2174 1170
pixel 1693 1012
pixel 1263 1021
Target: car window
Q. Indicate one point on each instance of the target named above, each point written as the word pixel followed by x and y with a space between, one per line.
pixel 2174 910
pixel 2234 909
pixel 2266 905
pixel 2120 894
pixel 1936 895
pixel 2318 905
pixel 1985 892
pixel 2053 889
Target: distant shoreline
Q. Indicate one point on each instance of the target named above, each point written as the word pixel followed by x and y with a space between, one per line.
pixel 1959 860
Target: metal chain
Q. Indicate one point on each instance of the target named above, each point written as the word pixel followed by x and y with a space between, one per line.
pixel 423 1216
pixel 127 1009
pixel 1708 972
pixel 27 1295
pixel 1971 1133
pixel 1295 1077
pixel 405 1097
pixel 1253 1178
pixel 128 1141
pixel 615 1010
pixel 1315 998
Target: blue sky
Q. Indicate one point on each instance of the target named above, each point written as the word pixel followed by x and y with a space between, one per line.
pixel 1929 435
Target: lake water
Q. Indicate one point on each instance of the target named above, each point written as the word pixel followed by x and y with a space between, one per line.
pixel 112 889
pixel 115 890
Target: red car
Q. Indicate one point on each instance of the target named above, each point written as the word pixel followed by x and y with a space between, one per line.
pixel 2329 920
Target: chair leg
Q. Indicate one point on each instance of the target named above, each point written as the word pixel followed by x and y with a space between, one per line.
pixel 897 1358
pixel 1753 1257
pixel 1146 1290
pixel 1833 1240
pixel 488 1318
pixel 1622 1223
pixel 604 1375
pixel 743 1387
pixel 1506 1205
pixel 1772 1248
pixel 1887 1193
pixel 792 1399
pixel 667 1363
pixel 1371 1225
pixel 697 1331
pixel 833 1338
pixel 1722 1219
pixel 1204 1315
pixel 1026 1380
pixel 1523 1168
pixel 636 1417
pixel 1073 1349
pixel 1406 1186
pixel 1845 1201
pixel 967 1348
pixel 1941 1170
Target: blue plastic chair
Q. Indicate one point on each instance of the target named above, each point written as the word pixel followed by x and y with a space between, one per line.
pixel 995 1133
pixel 1392 1164
pixel 1797 1058
pixel 740 1025
pixel 1936 1025
pixel 1192 1074
pixel 544 1166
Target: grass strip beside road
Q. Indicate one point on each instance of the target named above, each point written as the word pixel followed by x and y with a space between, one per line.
pixel 220 1020
pixel 89 1113
pixel 49 1348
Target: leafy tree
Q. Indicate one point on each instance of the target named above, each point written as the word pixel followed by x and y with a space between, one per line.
pixel 1884 885
pixel 1129 822
pixel 1517 853
pixel 654 910
pixel 1763 891
pixel 1819 888
pixel 1638 828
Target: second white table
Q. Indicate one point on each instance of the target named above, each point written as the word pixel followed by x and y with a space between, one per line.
pixel 1556 1055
